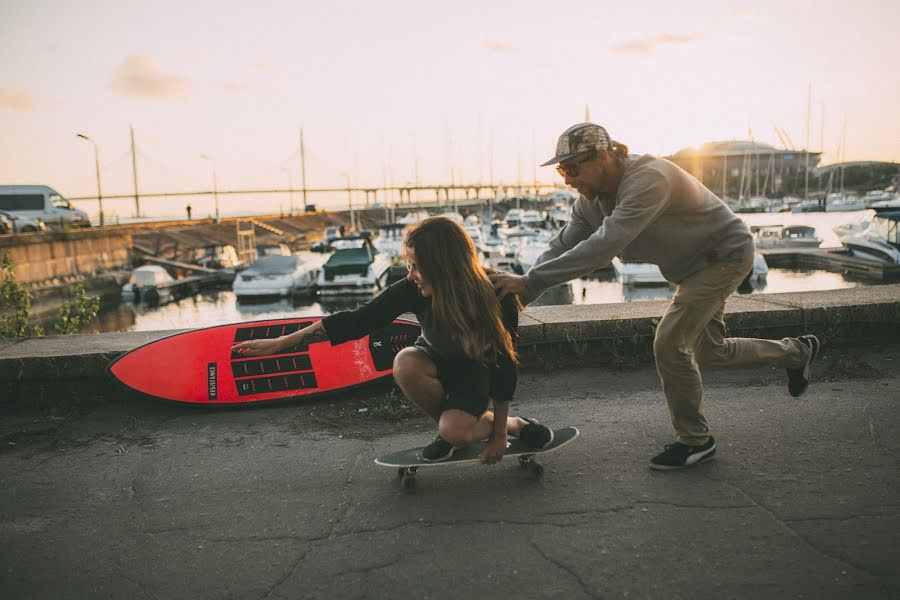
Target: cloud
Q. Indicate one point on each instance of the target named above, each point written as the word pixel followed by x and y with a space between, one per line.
pixel 16 99
pixel 645 46
pixel 139 76
pixel 498 46
pixel 243 88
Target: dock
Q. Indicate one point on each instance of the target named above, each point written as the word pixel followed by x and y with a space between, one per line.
pixel 836 260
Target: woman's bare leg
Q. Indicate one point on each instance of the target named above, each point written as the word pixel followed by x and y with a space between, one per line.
pixel 416 374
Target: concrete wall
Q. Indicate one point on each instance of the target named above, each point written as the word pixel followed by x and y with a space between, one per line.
pixel 44 257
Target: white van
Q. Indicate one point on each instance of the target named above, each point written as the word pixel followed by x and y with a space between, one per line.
pixel 41 202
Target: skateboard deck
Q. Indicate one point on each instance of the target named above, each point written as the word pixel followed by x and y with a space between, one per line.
pixel 199 367
pixel 407 462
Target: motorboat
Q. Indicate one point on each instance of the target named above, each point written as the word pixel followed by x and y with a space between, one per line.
pixel 356 267
pixel 878 196
pixel 778 236
pixel 871 247
pixel 637 273
pixel 514 217
pixel 492 249
pixel 852 228
pixel 331 233
pixel 526 244
pixel 275 275
pixel 148 283
pixel 217 256
pixel 272 250
pixel 760 268
pixel 844 203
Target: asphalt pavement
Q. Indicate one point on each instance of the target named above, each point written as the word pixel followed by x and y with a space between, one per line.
pixel 128 498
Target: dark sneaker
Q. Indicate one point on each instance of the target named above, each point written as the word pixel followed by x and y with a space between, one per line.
pixel 438 450
pixel 682 456
pixel 798 379
pixel 534 434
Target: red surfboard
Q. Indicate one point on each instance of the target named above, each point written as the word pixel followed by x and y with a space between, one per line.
pixel 199 367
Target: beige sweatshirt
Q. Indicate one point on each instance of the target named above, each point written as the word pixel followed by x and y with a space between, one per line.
pixel 660 214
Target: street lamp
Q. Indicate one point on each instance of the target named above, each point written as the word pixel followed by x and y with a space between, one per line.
pixel 215 184
pixel 97 168
pixel 290 188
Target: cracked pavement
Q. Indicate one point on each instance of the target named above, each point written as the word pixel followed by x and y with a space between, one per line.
pixel 131 498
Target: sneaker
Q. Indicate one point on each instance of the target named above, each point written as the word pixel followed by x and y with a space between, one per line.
pixel 682 456
pixel 438 450
pixel 798 379
pixel 534 434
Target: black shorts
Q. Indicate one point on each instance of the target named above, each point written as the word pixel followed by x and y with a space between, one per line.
pixel 466 382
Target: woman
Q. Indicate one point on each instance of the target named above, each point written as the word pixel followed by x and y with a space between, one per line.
pixel 465 357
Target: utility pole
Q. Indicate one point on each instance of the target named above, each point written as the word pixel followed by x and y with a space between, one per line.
pixel 806 169
pixel 303 169
pixel 137 198
pixel 97 169
pixel 215 183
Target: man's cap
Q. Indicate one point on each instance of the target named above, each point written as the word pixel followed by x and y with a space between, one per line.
pixel 577 139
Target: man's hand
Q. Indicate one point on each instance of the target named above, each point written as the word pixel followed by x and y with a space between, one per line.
pixel 507 283
pixel 494 450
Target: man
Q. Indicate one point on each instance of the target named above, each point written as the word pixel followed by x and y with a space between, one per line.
pixel 648 209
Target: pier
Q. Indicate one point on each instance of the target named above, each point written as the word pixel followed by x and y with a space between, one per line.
pixel 836 260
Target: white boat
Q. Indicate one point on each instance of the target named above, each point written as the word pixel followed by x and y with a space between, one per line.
pixel 877 196
pixel 514 217
pixel 778 236
pixel 148 280
pixel 871 247
pixel 852 228
pixel 413 216
pixel 637 273
pixel 760 268
pixel 356 267
pixel 843 203
pixel 275 276
pixel 453 216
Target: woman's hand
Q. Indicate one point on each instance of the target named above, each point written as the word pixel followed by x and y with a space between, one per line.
pixel 313 333
pixel 261 347
pixel 494 450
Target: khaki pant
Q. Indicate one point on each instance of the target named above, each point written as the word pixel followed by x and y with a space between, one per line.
pixel 691 335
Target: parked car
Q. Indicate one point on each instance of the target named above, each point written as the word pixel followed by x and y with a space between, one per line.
pixel 275 276
pixel 17 223
pixel 41 203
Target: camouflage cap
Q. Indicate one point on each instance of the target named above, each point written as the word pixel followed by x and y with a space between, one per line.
pixel 577 139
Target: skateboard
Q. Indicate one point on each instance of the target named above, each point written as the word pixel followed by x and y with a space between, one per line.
pixel 407 462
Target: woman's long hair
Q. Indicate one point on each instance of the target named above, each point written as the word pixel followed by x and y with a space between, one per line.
pixel 463 298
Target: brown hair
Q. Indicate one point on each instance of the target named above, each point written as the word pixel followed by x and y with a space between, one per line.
pixel 619 150
pixel 463 297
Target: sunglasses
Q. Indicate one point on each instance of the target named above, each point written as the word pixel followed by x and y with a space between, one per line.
pixel 572 169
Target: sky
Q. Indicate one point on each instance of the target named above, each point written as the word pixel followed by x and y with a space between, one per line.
pixel 403 91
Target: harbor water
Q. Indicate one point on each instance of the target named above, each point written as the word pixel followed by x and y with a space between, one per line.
pixel 218 307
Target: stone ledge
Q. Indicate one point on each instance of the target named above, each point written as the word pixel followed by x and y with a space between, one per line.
pixel 842 317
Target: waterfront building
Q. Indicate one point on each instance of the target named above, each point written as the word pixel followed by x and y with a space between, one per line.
pixel 740 170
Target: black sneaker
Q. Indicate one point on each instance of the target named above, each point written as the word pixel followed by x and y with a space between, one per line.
pixel 682 456
pixel 534 434
pixel 438 450
pixel 798 379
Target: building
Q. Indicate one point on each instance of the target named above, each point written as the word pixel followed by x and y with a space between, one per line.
pixel 739 170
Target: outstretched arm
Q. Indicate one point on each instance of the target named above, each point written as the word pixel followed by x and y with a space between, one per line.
pixel 309 335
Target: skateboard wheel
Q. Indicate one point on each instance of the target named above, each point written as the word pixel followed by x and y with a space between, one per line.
pixel 408 482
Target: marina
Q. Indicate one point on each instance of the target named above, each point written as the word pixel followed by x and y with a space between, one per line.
pixel 173 274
